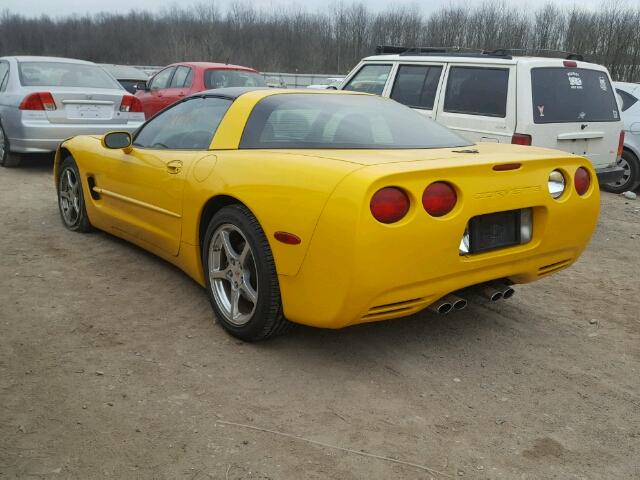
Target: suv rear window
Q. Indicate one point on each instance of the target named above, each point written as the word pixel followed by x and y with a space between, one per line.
pixel 62 74
pixel 477 91
pixel 416 85
pixel 564 95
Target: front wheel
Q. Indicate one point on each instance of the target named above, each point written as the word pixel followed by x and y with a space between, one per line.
pixel 242 282
pixel 630 174
pixel 71 199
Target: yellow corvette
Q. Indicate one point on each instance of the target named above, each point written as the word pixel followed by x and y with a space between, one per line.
pixel 327 208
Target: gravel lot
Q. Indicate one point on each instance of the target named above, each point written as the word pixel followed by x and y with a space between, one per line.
pixel 111 367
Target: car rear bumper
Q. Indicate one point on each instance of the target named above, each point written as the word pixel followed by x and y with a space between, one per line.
pixel 609 174
pixel 41 137
pixel 357 270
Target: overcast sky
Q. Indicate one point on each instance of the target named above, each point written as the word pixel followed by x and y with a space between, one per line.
pixel 67 7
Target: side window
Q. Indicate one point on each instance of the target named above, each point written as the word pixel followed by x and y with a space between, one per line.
pixel 416 85
pixel 189 125
pixel 180 77
pixel 162 79
pixel 477 91
pixel 4 76
pixel 627 99
pixel 370 79
pixel 189 80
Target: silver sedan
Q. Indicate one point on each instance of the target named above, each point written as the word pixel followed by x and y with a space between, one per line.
pixel 44 100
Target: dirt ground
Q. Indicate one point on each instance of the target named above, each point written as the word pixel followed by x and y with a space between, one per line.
pixel 111 366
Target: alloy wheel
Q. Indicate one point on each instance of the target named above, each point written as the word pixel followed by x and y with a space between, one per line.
pixel 626 173
pixel 69 197
pixel 233 274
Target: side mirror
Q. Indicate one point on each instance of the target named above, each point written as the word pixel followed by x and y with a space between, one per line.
pixel 117 140
pixel 142 86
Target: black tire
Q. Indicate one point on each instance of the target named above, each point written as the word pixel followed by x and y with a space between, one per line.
pixel 8 158
pixel 631 177
pixel 77 220
pixel 267 319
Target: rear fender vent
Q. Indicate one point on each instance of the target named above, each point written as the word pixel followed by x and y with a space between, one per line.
pixel 406 306
pixel 554 267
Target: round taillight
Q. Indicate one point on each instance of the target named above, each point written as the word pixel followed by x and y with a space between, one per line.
pixel 439 198
pixel 582 180
pixel 389 204
pixel 556 184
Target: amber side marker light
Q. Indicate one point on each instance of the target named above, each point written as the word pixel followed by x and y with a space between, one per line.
pixel 506 166
pixel 288 238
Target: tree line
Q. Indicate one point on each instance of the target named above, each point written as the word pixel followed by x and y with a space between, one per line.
pixel 331 40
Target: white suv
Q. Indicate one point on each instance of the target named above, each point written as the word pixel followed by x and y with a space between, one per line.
pixel 567 104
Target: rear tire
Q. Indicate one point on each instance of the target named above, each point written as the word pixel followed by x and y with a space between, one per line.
pixel 241 277
pixel 8 159
pixel 631 176
pixel 71 198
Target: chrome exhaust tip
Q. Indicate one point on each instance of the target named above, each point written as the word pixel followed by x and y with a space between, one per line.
pixel 441 307
pixel 508 293
pixel 457 302
pixel 491 293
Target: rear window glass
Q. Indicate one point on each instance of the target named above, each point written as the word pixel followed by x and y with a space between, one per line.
pixel 628 100
pixel 341 121
pixel 477 91
pixel 370 79
pixel 232 78
pixel 563 95
pixel 416 85
pixel 62 74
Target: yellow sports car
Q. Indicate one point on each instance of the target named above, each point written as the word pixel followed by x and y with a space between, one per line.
pixel 328 208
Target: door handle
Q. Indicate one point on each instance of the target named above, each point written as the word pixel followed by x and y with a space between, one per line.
pixel 174 166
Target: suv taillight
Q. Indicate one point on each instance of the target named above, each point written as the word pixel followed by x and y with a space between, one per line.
pixel 521 139
pixel 621 144
pixel 38 101
pixel 130 104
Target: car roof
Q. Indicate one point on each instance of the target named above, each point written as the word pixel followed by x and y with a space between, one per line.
pixel 213 65
pixel 29 58
pixel 484 60
pixel 235 92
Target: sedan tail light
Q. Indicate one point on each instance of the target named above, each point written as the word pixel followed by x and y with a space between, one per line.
pixel 439 198
pixel 621 144
pixel 130 104
pixel 389 204
pixel 521 139
pixel 38 101
pixel 582 180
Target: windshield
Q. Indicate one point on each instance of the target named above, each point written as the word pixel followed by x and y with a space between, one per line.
pixel 232 78
pixel 342 121
pixel 62 74
pixel 563 95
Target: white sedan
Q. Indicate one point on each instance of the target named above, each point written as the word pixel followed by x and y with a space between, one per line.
pixel 628 94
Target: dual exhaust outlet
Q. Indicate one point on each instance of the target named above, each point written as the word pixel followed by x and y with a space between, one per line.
pixel 493 292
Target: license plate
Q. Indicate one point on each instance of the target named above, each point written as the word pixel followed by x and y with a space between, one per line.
pixel 496 230
pixel 79 112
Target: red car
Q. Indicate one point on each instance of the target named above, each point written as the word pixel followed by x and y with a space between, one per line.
pixel 179 80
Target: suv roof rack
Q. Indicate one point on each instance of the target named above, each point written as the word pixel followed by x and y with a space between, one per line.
pixel 439 51
pixel 505 53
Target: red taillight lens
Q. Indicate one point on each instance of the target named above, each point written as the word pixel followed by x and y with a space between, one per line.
pixel 389 204
pixel 439 198
pixel 621 143
pixel 288 238
pixel 38 101
pixel 570 63
pixel 130 104
pixel 582 180
pixel 521 139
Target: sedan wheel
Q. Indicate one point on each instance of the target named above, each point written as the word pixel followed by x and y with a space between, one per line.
pixel 7 158
pixel 233 274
